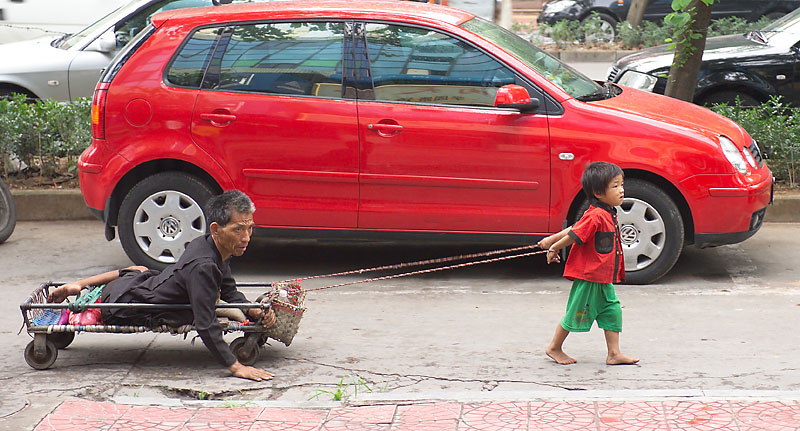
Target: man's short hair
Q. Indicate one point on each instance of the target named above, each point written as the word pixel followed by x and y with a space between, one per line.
pixel 220 208
pixel 598 176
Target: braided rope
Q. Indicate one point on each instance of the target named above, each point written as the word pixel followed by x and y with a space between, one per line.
pixel 425 271
pixel 417 263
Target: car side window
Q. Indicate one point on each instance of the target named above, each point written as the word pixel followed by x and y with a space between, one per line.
pixel 187 68
pixel 419 65
pixel 302 59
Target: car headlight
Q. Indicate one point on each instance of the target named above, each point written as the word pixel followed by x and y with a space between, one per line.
pixel 733 154
pixel 750 159
pixel 639 80
pixel 559 6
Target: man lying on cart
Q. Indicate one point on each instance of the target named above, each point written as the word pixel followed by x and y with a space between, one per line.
pixel 200 277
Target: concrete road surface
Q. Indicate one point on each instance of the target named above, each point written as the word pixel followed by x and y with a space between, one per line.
pixel 723 319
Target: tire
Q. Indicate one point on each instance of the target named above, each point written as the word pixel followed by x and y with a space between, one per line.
pixel 8 212
pixel 243 355
pixel 651 230
pixel 51 353
pixel 608 29
pixel 730 97
pixel 61 339
pixel 160 216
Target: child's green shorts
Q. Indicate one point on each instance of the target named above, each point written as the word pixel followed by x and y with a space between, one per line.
pixel 589 301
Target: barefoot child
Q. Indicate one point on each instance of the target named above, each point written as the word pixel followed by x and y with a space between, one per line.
pixel 594 262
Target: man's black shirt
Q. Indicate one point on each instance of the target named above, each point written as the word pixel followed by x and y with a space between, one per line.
pixel 198 278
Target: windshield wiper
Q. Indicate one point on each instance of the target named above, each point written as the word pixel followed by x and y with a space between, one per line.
pixel 56 43
pixel 757 36
pixel 608 91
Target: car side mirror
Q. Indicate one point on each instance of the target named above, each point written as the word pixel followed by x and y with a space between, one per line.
pixel 515 97
pixel 107 42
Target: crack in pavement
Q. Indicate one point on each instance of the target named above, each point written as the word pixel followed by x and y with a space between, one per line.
pixel 422 377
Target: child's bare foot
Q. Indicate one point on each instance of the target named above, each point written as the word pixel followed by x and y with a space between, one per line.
pixel 620 359
pixel 559 356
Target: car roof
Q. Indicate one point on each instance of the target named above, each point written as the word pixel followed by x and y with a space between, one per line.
pixel 311 9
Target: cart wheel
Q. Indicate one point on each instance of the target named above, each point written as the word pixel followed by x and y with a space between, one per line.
pixel 241 352
pixel 43 363
pixel 61 339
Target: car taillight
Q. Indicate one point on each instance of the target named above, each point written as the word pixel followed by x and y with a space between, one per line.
pixel 99 113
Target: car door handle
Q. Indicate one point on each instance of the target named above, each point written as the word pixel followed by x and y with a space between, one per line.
pixel 385 129
pixel 218 118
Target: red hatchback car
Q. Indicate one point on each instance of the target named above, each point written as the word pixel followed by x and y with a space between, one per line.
pixel 379 118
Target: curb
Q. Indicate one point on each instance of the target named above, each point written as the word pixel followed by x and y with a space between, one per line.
pixel 590 56
pixel 68 204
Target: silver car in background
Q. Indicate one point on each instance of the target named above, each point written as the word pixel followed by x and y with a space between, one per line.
pixel 68 67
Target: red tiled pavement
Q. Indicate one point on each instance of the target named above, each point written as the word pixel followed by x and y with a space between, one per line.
pixel 81 415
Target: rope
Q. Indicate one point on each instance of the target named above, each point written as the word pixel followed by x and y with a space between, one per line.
pixel 425 271
pixel 417 263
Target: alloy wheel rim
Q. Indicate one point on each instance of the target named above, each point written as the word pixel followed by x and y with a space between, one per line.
pixel 642 233
pixel 165 222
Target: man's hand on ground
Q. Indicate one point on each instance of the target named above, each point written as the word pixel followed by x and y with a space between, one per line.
pixel 248 372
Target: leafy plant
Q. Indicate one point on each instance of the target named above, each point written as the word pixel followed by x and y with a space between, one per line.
pixel 341 393
pixel 776 128
pixel 46 136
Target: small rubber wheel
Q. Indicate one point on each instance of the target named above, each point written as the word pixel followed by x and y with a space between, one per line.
pixel 43 363
pixel 61 339
pixel 245 356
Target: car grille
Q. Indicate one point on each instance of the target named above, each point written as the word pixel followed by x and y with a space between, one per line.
pixel 756 152
pixel 612 74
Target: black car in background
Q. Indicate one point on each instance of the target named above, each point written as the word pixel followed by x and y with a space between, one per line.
pixel 615 11
pixel 752 66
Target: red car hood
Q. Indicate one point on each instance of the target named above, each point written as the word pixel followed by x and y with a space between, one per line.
pixel 674 113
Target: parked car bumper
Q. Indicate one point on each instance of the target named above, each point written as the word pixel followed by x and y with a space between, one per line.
pixel 717 225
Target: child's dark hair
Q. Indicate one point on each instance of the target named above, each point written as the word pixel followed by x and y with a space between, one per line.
pixel 597 176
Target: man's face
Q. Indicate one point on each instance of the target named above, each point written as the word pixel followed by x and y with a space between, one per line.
pixel 232 239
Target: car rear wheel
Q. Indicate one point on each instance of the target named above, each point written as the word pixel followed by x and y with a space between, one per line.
pixel 606 32
pixel 160 216
pixel 651 231
pixel 8 212
pixel 730 97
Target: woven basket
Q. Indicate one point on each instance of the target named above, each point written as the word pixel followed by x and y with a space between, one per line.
pixel 287 303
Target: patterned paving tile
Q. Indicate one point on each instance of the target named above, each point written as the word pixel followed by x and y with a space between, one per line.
pixel 158 414
pixel 77 414
pixel 771 416
pixel 639 416
pixel 277 419
pixel 214 426
pixel 697 416
pixel 427 417
pixel 494 416
pixel 227 414
pixel 360 418
pixel 561 416
pixel 153 425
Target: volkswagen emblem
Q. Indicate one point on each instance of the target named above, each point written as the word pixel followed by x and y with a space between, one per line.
pixel 170 227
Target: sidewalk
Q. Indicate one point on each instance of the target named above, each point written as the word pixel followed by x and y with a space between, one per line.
pixel 740 415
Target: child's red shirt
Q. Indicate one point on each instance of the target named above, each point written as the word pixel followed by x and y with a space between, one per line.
pixel 597 253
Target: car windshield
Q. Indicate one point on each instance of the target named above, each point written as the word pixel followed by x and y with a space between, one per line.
pixel 570 80
pixel 133 22
pixel 785 28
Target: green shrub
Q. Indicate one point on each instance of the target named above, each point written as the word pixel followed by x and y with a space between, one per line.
pixel 47 136
pixel 649 33
pixel 776 128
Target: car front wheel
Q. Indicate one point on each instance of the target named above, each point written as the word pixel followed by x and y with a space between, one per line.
pixel 651 231
pixel 160 216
